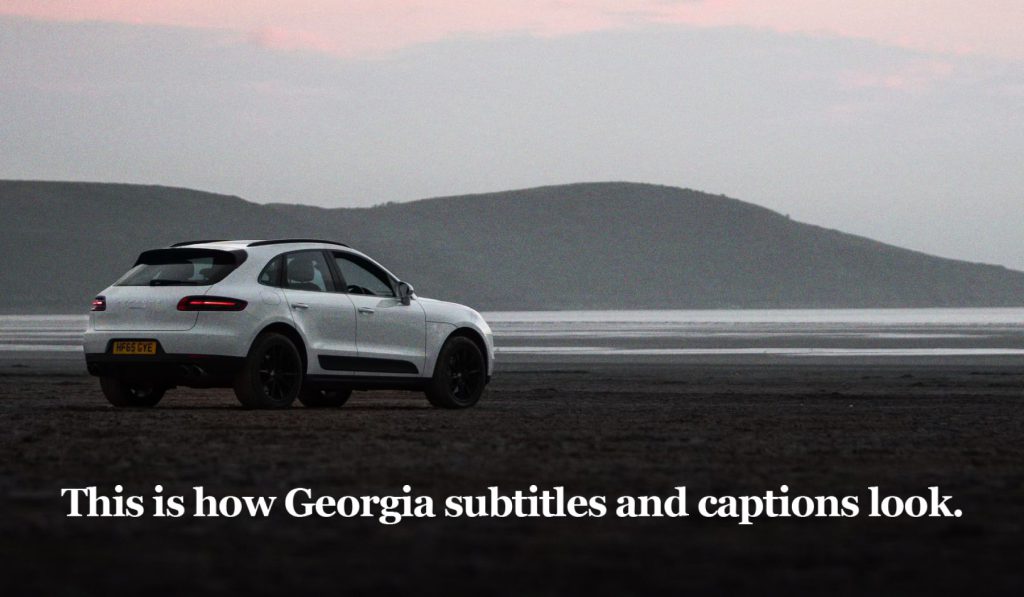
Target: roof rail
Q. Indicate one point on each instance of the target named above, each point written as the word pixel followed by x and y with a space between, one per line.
pixel 197 242
pixel 282 241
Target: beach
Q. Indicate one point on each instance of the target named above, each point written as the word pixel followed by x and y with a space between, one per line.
pixel 592 428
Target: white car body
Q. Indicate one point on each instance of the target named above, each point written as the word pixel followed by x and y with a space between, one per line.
pixel 364 340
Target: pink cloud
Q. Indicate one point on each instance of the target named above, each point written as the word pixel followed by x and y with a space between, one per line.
pixel 366 27
pixel 986 27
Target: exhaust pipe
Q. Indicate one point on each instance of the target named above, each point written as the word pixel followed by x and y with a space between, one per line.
pixel 193 372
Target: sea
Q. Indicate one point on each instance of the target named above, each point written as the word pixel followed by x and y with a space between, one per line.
pixel 660 335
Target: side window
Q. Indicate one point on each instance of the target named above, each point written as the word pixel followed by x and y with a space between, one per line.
pixel 362 277
pixel 306 270
pixel 271 274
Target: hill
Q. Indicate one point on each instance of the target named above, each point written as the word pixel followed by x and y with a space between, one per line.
pixel 580 246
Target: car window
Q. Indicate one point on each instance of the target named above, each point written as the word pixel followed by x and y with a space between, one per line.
pixel 362 277
pixel 306 270
pixel 271 274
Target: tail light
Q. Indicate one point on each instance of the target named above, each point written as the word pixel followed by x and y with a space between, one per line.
pixel 99 304
pixel 210 303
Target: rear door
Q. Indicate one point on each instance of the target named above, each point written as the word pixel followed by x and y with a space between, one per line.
pixel 391 337
pixel 326 318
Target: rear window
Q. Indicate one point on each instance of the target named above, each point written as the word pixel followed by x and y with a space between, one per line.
pixel 182 267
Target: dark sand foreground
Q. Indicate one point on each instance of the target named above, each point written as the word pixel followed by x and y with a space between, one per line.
pixel 605 430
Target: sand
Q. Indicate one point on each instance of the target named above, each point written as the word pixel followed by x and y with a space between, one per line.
pixel 594 429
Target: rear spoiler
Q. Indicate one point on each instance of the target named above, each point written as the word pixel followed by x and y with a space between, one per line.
pixel 156 256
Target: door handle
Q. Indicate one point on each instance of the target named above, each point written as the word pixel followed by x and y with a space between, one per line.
pixel 300 306
pixel 366 310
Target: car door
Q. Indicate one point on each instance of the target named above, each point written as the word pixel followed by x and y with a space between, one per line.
pixel 326 318
pixel 390 336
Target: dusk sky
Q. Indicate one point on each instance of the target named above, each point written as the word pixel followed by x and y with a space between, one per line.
pixel 901 121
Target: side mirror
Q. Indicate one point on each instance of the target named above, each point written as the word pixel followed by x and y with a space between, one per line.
pixel 405 292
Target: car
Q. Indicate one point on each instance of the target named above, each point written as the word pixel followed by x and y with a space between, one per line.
pixel 280 320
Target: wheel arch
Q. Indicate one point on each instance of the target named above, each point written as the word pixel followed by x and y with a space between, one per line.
pixel 476 337
pixel 291 333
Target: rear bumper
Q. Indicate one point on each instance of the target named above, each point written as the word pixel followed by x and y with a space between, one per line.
pixel 205 341
pixel 204 357
pixel 193 370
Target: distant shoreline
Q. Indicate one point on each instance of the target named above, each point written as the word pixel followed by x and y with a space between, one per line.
pixel 528 340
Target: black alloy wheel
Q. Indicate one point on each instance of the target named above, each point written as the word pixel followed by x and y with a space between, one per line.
pixel 279 373
pixel 272 374
pixel 459 376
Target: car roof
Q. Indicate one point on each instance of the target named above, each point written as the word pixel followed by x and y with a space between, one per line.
pixel 243 244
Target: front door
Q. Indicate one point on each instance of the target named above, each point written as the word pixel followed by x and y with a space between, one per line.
pixel 390 336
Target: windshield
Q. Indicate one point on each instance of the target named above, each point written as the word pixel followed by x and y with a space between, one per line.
pixel 182 267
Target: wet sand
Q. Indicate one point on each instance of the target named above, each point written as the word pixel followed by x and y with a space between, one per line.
pixel 596 429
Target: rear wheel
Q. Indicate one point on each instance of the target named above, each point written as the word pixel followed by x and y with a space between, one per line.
pixel 123 393
pixel 272 374
pixel 459 375
pixel 315 398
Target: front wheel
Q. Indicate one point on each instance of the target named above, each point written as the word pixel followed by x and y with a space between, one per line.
pixel 459 375
pixel 272 374
pixel 124 393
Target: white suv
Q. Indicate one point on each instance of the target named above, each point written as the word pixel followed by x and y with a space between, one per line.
pixel 279 320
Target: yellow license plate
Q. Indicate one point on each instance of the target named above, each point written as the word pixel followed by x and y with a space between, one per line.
pixel 134 347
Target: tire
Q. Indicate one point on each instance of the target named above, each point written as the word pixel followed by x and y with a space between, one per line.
pixel 459 375
pixel 139 394
pixel 316 398
pixel 272 374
